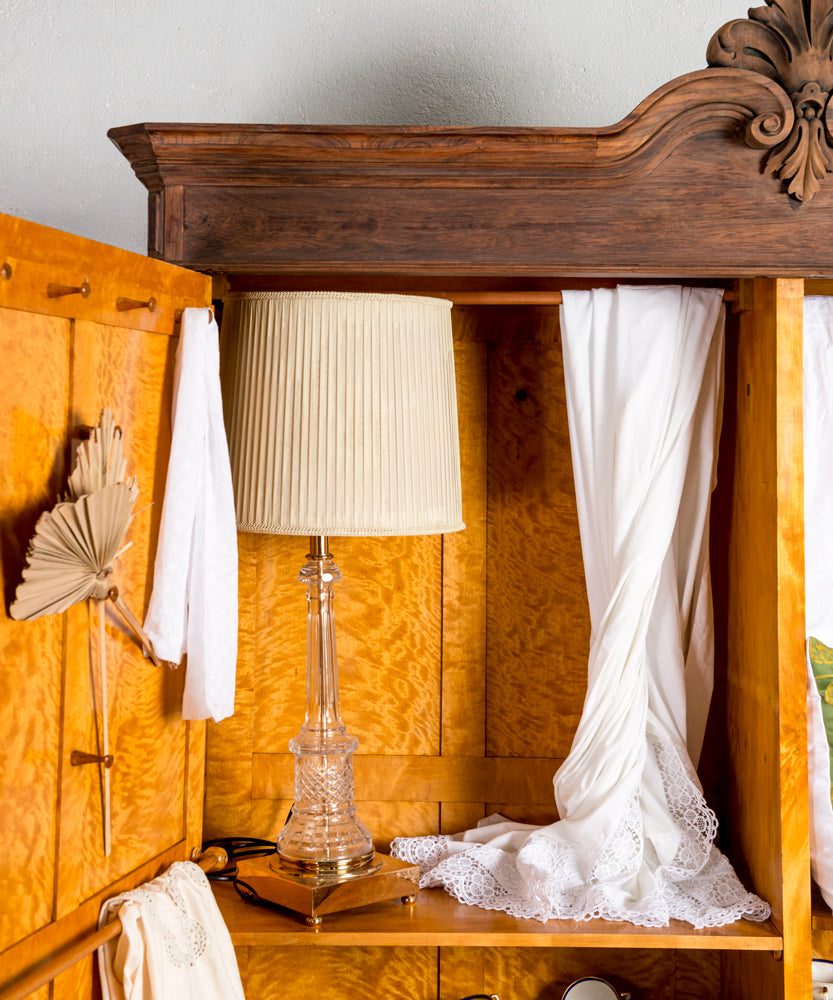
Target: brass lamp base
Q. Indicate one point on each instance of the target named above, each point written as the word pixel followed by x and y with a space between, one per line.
pixel 317 895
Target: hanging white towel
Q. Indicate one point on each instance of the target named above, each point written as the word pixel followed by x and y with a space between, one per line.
pixel 173 943
pixel 818 567
pixel 635 839
pixel 193 607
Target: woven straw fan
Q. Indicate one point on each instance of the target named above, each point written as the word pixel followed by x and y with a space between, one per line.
pixel 72 554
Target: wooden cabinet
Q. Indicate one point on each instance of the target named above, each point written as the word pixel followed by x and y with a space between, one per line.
pixel 464 685
pixel 64 358
pixel 463 663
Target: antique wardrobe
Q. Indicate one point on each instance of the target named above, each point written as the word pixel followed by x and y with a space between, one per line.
pixel 462 684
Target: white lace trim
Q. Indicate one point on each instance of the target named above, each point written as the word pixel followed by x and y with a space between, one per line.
pixel 183 938
pixel 631 879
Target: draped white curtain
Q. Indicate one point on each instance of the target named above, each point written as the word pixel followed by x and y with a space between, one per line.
pixel 818 566
pixel 643 370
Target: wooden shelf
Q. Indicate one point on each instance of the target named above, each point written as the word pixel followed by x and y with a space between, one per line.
pixel 437 919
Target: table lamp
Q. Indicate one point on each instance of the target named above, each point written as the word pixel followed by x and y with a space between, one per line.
pixel 341 416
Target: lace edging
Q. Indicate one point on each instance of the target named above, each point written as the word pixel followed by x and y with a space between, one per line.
pixel 546 879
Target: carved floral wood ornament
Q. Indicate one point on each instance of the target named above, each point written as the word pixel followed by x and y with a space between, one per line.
pixel 791 42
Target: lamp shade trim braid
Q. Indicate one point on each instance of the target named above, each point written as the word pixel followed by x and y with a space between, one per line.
pixel 341 413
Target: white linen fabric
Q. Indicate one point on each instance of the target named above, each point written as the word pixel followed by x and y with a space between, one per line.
pixel 643 372
pixel 193 607
pixel 173 942
pixel 818 566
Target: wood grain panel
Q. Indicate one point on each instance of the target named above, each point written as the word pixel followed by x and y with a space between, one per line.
pixel 462 973
pixel 538 619
pixel 698 975
pixel 388 614
pixel 230 743
pixel 792 745
pixel 458 816
pixel 132 372
pixel 77 981
pixel 390 778
pixel 194 784
pixel 394 973
pixel 57 937
pixel 765 692
pixel 387 820
pixel 527 975
pixel 766 971
pixel 39 256
pixel 464 564
pixel 544 975
pixel 62 365
pixel 35 351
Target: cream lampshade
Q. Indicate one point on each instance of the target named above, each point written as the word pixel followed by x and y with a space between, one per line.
pixel 341 416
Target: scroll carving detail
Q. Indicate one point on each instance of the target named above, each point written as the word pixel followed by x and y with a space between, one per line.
pixel 791 42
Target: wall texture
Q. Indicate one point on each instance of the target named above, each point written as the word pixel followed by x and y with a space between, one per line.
pixel 68 72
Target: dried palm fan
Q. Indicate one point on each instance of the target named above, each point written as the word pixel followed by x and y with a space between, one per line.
pixel 72 554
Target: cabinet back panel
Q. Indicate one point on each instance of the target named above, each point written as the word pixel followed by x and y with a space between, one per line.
pixel 538 624
pixel 32 425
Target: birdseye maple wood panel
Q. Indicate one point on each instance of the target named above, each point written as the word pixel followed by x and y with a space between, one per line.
pixel 538 618
pixel 275 973
pixel 132 372
pixel 65 357
pixel 32 454
pixel 463 709
pixel 388 620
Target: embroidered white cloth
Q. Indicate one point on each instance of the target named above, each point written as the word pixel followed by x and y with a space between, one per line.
pixel 173 943
pixel 818 566
pixel 193 607
pixel 643 372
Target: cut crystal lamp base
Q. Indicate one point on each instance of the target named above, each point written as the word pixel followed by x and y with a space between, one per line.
pixel 315 896
pixel 323 835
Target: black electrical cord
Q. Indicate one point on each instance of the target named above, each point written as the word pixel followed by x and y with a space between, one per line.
pixel 238 848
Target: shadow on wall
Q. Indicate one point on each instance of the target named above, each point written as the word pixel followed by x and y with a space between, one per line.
pixel 418 91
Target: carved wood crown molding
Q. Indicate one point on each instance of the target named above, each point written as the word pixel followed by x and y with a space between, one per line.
pixel 791 42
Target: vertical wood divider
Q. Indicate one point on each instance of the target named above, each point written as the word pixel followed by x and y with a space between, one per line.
pixel 463 691
pixel 766 689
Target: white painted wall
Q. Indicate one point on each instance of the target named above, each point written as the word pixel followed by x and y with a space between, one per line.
pixel 71 70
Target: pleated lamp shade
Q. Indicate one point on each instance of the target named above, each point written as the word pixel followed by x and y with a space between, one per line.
pixel 341 413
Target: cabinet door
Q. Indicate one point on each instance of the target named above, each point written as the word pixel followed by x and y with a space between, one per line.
pixel 64 358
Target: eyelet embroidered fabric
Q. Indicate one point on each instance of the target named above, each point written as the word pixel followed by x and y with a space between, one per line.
pixel 173 942
pixel 183 937
pixel 635 841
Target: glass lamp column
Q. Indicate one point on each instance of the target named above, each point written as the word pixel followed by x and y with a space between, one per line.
pixel 323 835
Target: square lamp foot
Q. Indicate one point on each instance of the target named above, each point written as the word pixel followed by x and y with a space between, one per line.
pixel 317 895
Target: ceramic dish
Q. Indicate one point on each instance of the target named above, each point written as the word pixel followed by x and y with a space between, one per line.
pixel 822 979
pixel 593 988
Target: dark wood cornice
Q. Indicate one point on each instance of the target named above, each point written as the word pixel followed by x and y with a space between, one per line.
pixel 672 190
pixel 265 155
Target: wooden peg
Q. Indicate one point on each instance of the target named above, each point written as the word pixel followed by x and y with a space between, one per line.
pixel 78 757
pixel 133 622
pixel 55 291
pixel 6 271
pixel 125 305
